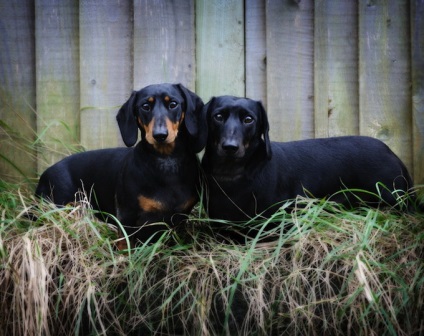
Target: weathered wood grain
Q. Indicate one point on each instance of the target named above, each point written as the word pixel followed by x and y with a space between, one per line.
pixel 164 42
pixel 255 50
pixel 57 79
pixel 417 42
pixel 17 91
pixel 220 48
pixel 384 70
pixel 106 45
pixel 336 68
pixel 290 50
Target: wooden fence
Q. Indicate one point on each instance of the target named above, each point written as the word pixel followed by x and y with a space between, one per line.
pixel 322 68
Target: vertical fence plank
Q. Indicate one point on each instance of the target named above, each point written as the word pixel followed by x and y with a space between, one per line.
pixel 220 48
pixel 106 69
pixel 336 73
pixel 290 69
pixel 57 81
pixel 164 42
pixel 17 90
pixel 384 70
pixel 417 36
pixel 255 50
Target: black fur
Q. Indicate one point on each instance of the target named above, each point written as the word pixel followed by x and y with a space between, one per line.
pixel 247 174
pixel 155 181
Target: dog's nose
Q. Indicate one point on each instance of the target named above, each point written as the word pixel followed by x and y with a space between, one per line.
pixel 160 136
pixel 230 147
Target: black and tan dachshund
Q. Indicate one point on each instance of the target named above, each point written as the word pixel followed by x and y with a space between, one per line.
pixel 247 174
pixel 155 181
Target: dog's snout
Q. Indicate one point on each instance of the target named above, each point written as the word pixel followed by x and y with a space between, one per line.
pixel 160 135
pixel 160 130
pixel 230 146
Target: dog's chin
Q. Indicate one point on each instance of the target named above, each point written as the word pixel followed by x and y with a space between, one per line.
pixel 164 148
pixel 230 155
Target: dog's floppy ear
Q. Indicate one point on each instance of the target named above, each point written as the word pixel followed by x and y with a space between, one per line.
pixel 193 117
pixel 127 123
pixel 209 106
pixel 264 128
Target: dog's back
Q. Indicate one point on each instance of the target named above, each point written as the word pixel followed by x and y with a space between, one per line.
pixel 94 172
pixel 322 167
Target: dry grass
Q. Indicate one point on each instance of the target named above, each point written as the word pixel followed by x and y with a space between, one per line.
pixel 326 271
pixel 53 270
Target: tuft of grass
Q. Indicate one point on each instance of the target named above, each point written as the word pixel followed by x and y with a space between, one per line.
pixel 52 268
pixel 25 148
pixel 313 268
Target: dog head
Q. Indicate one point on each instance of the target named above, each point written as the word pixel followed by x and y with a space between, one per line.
pixel 236 126
pixel 161 111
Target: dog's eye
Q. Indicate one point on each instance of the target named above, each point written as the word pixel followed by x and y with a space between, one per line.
pixel 173 104
pixel 248 120
pixel 145 107
pixel 218 117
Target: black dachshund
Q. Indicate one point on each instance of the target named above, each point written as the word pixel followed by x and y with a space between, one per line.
pixel 155 181
pixel 249 175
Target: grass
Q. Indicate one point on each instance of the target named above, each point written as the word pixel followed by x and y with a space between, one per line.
pixel 325 271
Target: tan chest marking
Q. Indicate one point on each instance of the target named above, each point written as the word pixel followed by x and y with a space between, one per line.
pixel 150 204
pixel 188 205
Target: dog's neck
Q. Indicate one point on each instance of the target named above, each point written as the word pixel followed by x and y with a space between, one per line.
pixel 227 172
pixel 224 169
pixel 168 165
